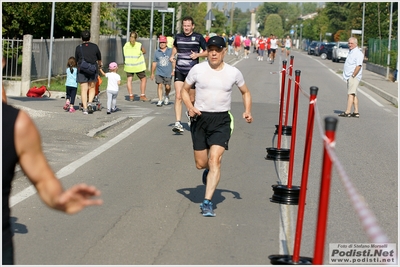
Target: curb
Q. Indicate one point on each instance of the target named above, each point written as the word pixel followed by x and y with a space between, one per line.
pixel 94 132
pixel 392 99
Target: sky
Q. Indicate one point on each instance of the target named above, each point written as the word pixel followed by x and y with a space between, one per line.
pixel 242 5
pixel 250 5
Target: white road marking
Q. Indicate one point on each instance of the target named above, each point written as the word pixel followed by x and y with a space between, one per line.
pixel 70 168
pixel 376 102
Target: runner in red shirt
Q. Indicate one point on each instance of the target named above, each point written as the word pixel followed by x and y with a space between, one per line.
pixel 236 43
pixel 261 48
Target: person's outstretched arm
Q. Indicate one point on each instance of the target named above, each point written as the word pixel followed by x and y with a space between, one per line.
pixel 34 164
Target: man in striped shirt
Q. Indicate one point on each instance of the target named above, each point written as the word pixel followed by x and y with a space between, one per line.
pixel 187 47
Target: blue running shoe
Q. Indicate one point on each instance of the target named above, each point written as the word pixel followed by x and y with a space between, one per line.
pixel 207 209
pixel 205 173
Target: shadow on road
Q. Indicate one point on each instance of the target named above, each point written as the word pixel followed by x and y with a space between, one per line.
pixel 196 195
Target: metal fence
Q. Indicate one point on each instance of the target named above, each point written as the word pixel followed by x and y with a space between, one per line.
pixel 377 52
pixel 110 47
pixel 12 52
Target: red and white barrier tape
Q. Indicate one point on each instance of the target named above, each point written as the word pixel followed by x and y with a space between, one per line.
pixel 367 218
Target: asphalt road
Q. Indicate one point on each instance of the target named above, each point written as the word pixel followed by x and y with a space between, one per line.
pixel 152 190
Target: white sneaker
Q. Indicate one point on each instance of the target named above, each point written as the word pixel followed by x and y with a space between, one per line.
pixel 166 100
pixel 178 128
pixel 159 103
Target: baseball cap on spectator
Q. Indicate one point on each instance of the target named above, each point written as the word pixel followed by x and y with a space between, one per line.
pixel 112 65
pixel 162 39
pixel 217 41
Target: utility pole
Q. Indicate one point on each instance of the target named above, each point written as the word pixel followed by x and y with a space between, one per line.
pixel 179 18
pixel 390 40
pixel 232 9
pixel 208 21
pixel 95 23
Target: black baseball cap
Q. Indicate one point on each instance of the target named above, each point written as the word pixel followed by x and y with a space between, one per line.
pixel 217 41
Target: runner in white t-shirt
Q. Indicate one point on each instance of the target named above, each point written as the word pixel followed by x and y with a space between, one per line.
pixel 212 122
pixel 274 46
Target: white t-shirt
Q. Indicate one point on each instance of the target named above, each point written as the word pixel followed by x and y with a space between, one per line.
pixel 214 88
pixel 287 43
pixel 274 45
pixel 113 79
pixel 354 58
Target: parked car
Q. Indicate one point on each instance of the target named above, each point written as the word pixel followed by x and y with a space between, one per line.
pixel 317 48
pixel 325 50
pixel 340 51
pixel 311 47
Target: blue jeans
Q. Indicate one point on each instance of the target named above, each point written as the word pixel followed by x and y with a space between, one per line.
pixel 230 49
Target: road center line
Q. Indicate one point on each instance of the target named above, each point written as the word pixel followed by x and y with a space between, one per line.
pixel 70 168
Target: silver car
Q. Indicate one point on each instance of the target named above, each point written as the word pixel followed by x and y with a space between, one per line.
pixel 340 51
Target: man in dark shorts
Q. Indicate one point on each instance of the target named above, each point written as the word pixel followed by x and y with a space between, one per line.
pixel 212 122
pixel 187 48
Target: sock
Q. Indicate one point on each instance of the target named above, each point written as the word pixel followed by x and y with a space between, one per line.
pixel 206 201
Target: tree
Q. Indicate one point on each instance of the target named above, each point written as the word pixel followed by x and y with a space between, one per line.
pixel 273 25
pixel 308 8
pixel 20 18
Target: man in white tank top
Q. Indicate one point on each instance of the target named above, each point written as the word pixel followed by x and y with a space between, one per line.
pixel 274 46
pixel 212 122
pixel 288 45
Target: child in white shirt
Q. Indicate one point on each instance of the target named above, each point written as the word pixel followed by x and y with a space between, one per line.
pixel 114 80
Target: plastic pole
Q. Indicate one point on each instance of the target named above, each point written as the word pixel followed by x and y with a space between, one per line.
pixel 281 104
pixel 304 177
pixel 288 90
pixel 294 123
pixel 330 128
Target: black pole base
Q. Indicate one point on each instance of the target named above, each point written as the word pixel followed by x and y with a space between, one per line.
pixel 287 260
pixel 284 195
pixel 278 154
pixel 286 130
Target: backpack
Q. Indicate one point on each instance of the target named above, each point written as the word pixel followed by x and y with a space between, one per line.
pixel 86 67
pixel 37 92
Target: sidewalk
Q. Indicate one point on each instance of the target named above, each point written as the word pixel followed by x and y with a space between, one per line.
pixel 381 86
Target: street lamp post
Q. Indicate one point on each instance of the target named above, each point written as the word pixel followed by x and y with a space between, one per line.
pixel 295 36
pixel 292 32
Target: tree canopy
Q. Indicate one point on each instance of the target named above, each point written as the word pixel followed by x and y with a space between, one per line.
pixel 338 18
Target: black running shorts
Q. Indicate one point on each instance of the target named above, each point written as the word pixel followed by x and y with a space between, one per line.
pixel 211 128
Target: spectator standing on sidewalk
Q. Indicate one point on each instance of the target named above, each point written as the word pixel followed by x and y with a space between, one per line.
pixel 114 80
pixel 71 86
pixel 135 64
pixel 212 122
pixel 22 144
pixel 352 73
pixel 91 53
pixel 161 69
pixel 187 47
